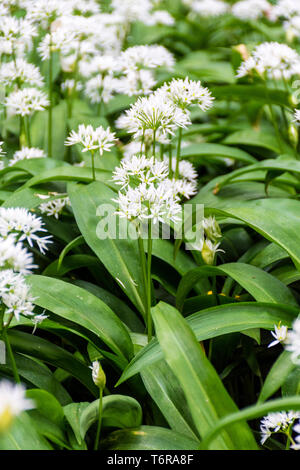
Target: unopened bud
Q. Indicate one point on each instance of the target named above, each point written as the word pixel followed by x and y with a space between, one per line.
pixel 293 135
pixel 98 375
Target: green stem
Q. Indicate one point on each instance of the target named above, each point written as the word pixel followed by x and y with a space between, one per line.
pixel 51 103
pixel 11 355
pixel 93 164
pixel 99 421
pixel 144 269
pixel 170 161
pixel 149 279
pixel 178 153
pixel 27 131
pixel 154 143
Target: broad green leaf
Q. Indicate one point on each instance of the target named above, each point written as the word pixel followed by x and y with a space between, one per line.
pixel 217 321
pixel 260 284
pixel 206 396
pixel 148 438
pixel 23 436
pixel 277 376
pixel 119 256
pixel 204 149
pixel 79 306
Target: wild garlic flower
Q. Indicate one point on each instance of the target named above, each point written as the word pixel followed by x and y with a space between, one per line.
pixel 209 7
pixel 26 153
pixel 280 334
pixel 13 402
pixel 37 320
pixel 59 40
pixel 20 72
pixel 272 60
pixel 277 422
pixel 70 85
pixel 155 114
pixel 14 256
pixel 85 7
pixel 26 102
pixel 45 12
pixel 54 207
pixel 184 93
pixel 136 82
pixel 15 294
pixel 15 35
pixel 159 17
pixel 24 225
pixel 139 57
pixel 92 139
pixel 146 192
pixel 251 9
pixel 297 115
pixel 285 9
pixel 100 89
pixel 211 228
pixel 2 153
pixel 209 250
pixel 292 343
pixel 296 445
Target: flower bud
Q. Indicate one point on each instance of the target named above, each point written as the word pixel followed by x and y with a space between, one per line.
pixel 209 251
pixel 98 375
pixel 293 135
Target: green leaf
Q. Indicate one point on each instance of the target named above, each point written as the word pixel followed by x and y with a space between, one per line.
pixel 23 436
pixel 277 376
pixel 207 398
pixel 217 321
pixel 199 150
pixel 119 256
pixel 252 412
pixel 260 284
pixel 81 307
pixel 164 388
pixel 148 438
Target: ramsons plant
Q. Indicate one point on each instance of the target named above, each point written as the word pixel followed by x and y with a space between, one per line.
pixel 175 123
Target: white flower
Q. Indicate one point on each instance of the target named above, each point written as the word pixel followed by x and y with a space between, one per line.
pixel 15 35
pixel 138 57
pixel 59 40
pixel 54 207
pixel 20 71
pixel 211 228
pixel 297 115
pixel 25 225
pixel 276 422
pixel 273 59
pixel 14 256
pixel 293 341
pixel 136 82
pixel 146 192
pixel 12 402
pixel 15 294
pixel 37 320
pixel 184 93
pixel 25 102
pixel 26 153
pixel 100 88
pixel 2 153
pixel 156 114
pixel 92 139
pixel 251 9
pixel 98 375
pixel 296 446
pixel 46 11
pixel 285 9
pixel 280 334
pixel 209 7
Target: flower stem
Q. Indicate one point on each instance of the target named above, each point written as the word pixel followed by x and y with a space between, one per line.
pixel 93 164
pixel 144 269
pixel 99 420
pixel 178 153
pixel 11 355
pixel 170 161
pixel 154 143
pixel 149 281
pixel 27 130
pixel 51 103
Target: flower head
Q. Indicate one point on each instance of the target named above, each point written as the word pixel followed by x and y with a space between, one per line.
pixel 92 139
pixel 12 403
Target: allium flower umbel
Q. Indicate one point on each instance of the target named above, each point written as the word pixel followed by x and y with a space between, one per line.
pixel 156 114
pixel 280 334
pixel 146 192
pixel 184 93
pixel 24 226
pixel 277 422
pixel 15 294
pixel 293 342
pixel 272 60
pixel 27 101
pixel 92 139
pixel 12 402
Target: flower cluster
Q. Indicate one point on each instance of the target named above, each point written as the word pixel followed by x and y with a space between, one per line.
pixel 12 403
pixel 146 192
pixel 92 139
pixel 277 422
